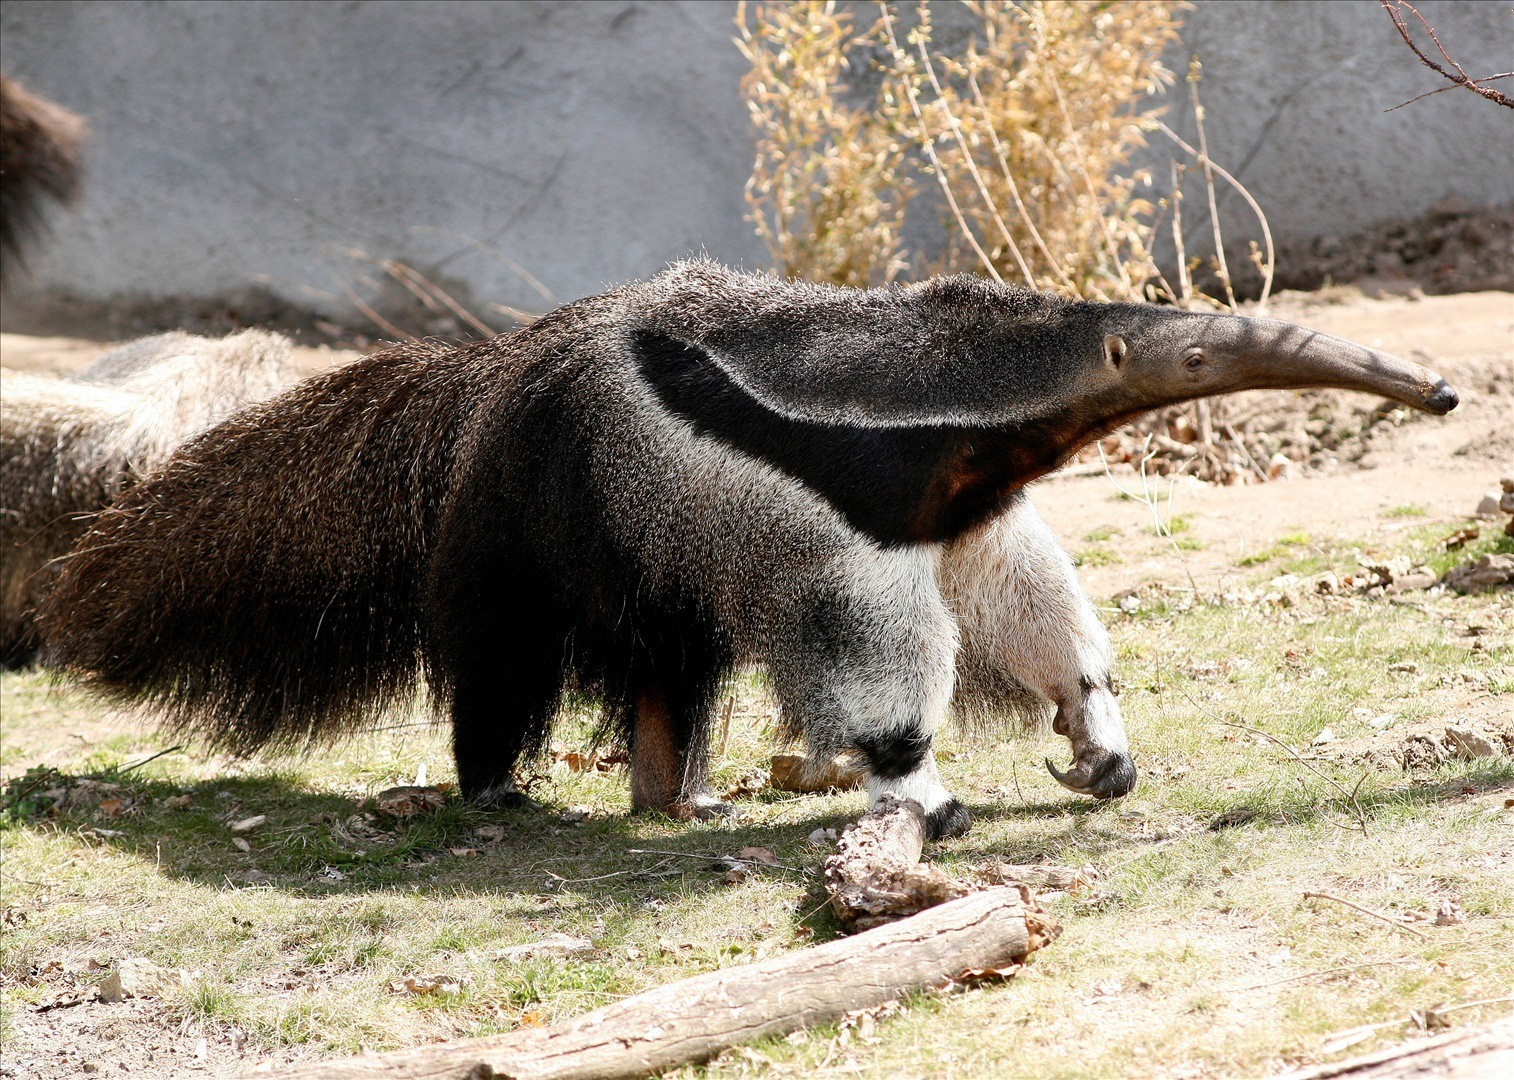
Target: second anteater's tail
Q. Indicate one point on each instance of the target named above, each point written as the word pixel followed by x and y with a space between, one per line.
pixel 263 587
pixel 39 160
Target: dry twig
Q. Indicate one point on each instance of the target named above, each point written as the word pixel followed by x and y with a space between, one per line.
pixel 1367 911
pixel 1319 974
pixel 1361 815
pixel 1395 10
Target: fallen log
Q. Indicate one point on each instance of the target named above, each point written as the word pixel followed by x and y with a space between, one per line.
pixel 988 933
pixel 1473 1053
pixel 875 874
pixel 796 772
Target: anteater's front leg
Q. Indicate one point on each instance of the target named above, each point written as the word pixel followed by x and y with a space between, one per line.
pixel 1031 639
pixel 868 669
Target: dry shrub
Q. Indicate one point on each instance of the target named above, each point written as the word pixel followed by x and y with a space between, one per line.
pixel 1026 129
pixel 1032 127
pixel 830 187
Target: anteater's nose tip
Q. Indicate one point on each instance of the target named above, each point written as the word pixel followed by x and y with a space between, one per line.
pixel 1442 399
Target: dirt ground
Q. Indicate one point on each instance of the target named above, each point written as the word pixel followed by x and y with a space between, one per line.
pixel 1410 473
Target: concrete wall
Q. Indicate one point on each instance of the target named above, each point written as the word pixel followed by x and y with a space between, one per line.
pixel 588 143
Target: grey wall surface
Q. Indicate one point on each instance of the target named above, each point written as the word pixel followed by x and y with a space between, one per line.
pixel 588 143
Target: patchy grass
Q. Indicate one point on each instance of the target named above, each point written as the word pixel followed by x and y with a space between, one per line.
pixel 1196 955
pixel 1097 556
pixel 1407 510
pixel 1175 525
pixel 1427 544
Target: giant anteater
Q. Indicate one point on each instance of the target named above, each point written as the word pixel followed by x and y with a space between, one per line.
pixel 642 490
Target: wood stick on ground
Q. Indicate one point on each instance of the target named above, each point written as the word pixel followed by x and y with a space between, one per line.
pixel 1367 911
pixel 875 874
pixel 694 1019
pixel 1473 1053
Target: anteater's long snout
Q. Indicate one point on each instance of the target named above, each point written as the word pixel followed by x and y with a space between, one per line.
pixel 1281 355
pixel 1443 399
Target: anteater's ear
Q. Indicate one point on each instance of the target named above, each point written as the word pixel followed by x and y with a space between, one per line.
pixel 1116 349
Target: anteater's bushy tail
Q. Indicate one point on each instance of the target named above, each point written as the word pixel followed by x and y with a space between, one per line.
pixel 264 586
pixel 39 160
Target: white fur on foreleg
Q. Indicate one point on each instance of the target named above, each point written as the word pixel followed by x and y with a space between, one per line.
pixel 923 785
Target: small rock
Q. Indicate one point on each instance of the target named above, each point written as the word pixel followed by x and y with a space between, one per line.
pixel 1280 467
pixel 1468 744
pixel 240 844
pixel 1506 484
pixel 823 836
pixel 1490 571
pixel 140 977
pixel 407 800
pixel 551 945
pixel 1389 570
pixel 110 988
pixel 1325 736
pixel 88 1067
pixel 1449 914
pixel 1488 506
pixel 1407 667
pixel 1506 502
pixel 1411 582
pixel 1379 723
pixel 795 772
pixel 575 815
pixel 248 824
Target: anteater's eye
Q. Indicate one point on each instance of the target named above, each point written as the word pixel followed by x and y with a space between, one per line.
pixel 1194 360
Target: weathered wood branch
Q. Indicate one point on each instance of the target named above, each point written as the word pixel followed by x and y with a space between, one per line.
pixel 694 1019
pixel 875 874
pixel 1472 1053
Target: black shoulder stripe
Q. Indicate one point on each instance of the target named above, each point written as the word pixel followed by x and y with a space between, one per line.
pixel 882 480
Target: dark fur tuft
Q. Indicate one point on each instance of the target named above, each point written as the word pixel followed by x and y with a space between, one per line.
pixel 39 160
pixel 263 588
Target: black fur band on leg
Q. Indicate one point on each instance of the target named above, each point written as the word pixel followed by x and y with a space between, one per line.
pixel 947 820
pixel 897 754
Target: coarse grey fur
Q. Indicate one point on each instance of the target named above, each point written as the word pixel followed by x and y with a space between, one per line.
pixel 69 445
pixel 644 489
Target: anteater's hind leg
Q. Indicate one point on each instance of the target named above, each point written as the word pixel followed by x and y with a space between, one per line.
pixel 496 657
pixel 500 713
pixel 670 737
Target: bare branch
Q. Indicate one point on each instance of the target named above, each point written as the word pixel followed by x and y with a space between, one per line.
pixel 1395 9
pixel 1367 911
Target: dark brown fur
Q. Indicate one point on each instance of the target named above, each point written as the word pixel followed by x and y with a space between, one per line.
pixel 39 160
